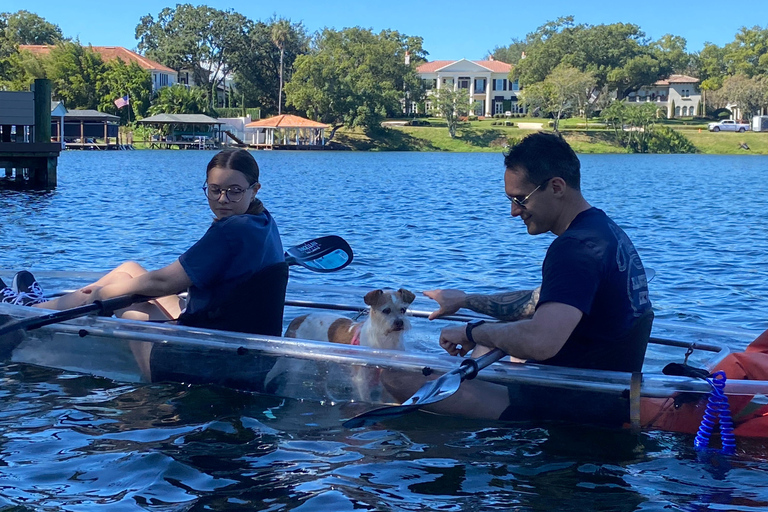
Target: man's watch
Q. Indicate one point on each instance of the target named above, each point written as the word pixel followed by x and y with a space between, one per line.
pixel 471 325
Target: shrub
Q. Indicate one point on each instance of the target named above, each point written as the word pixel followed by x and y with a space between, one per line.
pixel 666 140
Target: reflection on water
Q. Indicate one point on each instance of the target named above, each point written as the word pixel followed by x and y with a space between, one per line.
pixel 419 221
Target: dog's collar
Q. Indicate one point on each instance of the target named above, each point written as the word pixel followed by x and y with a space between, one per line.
pixel 356 335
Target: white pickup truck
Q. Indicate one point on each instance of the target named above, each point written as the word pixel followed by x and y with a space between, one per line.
pixel 728 125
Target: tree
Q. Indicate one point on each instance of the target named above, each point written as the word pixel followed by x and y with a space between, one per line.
pixel 618 55
pixel 450 104
pixel 354 77
pixel 748 94
pixel 24 27
pixel 120 79
pixel 258 68
pixel 179 99
pixel 511 54
pixel 76 75
pixel 633 125
pixel 281 31
pixel 200 38
pixel 562 92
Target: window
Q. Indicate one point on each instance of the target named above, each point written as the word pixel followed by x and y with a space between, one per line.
pixel 479 108
pixel 516 85
pixel 498 107
pixel 480 85
pixel 498 84
pixel 463 82
pixel 677 111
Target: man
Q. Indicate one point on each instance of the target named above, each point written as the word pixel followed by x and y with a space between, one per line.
pixel 592 310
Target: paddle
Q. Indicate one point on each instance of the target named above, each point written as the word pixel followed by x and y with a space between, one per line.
pixel 324 254
pixel 431 392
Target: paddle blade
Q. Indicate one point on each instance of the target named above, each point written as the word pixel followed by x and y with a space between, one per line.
pixel 325 254
pixel 431 392
pixel 374 416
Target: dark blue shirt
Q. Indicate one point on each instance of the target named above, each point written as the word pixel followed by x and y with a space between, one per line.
pixel 230 252
pixel 594 267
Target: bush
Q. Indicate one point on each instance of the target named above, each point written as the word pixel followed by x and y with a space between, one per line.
pixel 509 123
pixel 472 118
pixel 666 140
pixel 721 113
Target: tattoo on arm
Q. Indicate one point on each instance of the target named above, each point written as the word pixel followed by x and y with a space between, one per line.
pixel 509 306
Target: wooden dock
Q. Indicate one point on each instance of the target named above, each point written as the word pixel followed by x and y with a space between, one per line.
pixel 28 158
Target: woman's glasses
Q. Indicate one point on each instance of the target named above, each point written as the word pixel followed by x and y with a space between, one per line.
pixel 233 194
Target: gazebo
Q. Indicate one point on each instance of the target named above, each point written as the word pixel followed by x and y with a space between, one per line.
pixel 285 131
pixel 82 128
pixel 185 131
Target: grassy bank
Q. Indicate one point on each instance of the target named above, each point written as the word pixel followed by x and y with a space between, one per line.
pixel 483 136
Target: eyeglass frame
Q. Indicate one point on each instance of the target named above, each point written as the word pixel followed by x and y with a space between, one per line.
pixel 520 203
pixel 206 188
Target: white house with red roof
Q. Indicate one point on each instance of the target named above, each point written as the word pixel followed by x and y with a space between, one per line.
pixel 161 75
pixel 678 94
pixel 490 90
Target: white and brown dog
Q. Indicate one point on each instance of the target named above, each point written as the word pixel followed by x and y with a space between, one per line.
pixel 384 327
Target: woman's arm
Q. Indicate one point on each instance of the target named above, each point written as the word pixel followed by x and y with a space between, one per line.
pixel 168 280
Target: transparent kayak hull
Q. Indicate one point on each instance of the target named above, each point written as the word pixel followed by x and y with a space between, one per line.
pixel 304 369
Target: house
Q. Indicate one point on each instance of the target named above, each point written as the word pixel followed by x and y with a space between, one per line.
pixel 678 94
pixel 161 75
pixel 490 90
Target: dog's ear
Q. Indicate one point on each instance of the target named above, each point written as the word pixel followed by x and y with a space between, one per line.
pixel 374 297
pixel 407 295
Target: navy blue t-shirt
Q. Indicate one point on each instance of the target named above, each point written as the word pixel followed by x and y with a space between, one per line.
pixel 231 251
pixel 594 267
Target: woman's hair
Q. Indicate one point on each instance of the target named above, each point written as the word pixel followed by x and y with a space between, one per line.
pixel 242 161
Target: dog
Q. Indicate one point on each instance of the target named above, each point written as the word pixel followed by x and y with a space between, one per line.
pixel 384 327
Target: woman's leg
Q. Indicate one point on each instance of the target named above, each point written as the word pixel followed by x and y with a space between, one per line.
pixel 170 305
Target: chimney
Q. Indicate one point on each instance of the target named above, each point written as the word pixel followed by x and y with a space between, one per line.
pixel 490 58
pixel 522 55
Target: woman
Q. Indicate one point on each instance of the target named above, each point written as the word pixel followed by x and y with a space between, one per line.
pixel 235 274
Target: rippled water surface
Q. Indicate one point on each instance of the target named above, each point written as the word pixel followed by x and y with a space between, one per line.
pixel 72 442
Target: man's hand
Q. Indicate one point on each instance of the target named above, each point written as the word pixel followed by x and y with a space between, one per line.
pixel 453 339
pixel 450 301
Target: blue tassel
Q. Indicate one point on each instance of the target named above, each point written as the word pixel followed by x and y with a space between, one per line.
pixel 717 410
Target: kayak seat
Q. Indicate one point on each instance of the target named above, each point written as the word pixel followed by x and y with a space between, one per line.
pixel 255 306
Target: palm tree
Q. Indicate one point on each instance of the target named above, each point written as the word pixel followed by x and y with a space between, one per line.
pixel 281 31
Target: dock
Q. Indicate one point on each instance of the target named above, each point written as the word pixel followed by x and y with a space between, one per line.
pixel 27 156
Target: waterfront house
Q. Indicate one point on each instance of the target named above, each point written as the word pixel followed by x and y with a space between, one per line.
pixel 679 95
pixel 490 90
pixel 162 76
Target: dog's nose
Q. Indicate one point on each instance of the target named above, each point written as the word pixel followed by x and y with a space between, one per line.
pixel 399 323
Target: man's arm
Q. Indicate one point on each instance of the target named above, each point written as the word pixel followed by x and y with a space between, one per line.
pixel 508 306
pixel 539 338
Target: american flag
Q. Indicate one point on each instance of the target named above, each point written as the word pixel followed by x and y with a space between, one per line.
pixel 122 102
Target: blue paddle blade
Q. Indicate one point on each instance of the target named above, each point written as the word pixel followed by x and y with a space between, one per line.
pixel 325 254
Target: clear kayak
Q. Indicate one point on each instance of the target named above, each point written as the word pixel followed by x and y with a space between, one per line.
pixel 329 373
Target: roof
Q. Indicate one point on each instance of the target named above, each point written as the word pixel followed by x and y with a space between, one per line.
pixel 89 115
pixel 495 66
pixel 180 119
pixel 677 79
pixel 107 53
pixel 285 121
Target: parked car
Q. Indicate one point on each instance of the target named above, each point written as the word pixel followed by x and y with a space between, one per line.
pixel 728 125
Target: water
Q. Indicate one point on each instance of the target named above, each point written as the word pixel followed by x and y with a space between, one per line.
pixel 71 442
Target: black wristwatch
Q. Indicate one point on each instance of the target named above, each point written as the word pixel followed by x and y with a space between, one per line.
pixel 471 325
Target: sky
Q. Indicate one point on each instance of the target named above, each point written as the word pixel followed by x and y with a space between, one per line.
pixel 451 29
